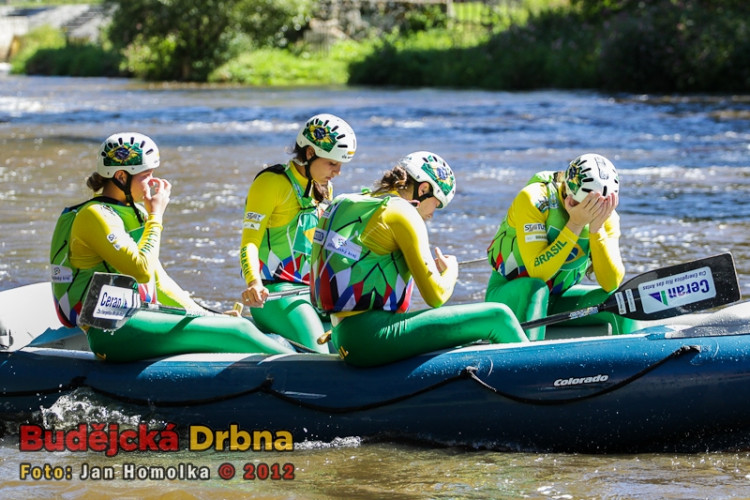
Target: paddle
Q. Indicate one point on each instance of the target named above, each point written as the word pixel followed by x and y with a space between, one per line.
pixel 666 292
pixel 113 298
pixel 473 261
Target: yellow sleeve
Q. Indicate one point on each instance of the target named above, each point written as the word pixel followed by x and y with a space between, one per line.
pixel 271 202
pixel 98 234
pixel 402 228
pixel 169 293
pixel 530 225
pixel 605 254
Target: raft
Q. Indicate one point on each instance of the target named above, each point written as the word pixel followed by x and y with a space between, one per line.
pixel 678 385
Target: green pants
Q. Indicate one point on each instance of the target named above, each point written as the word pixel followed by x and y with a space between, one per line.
pixel 529 299
pixel 292 317
pixel 379 337
pixel 150 334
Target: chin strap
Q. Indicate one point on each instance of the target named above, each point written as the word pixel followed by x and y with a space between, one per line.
pixel 309 178
pixel 125 188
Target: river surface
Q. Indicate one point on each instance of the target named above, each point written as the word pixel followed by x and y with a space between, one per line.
pixel 684 164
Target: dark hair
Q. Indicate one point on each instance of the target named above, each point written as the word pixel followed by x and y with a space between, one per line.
pixel 394 179
pixel 319 192
pixel 96 182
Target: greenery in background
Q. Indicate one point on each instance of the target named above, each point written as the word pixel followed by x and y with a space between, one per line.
pixel 46 51
pixel 619 45
pixel 298 65
pixel 187 40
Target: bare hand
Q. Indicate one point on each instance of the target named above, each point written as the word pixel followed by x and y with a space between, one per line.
pixel 156 198
pixel 444 262
pixel 609 206
pixel 583 213
pixel 255 295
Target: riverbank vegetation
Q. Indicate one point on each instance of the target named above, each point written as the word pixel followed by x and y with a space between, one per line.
pixel 617 45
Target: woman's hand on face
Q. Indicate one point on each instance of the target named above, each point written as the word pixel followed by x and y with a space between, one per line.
pixel 156 198
pixel 444 262
pixel 608 206
pixel 255 295
pixel 584 212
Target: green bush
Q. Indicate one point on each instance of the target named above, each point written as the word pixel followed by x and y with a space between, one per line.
pixel 685 48
pixel 74 60
pixel 43 37
pixel 188 39
pixel 297 66
pixel 618 45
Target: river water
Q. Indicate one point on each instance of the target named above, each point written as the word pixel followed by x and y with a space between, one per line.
pixel 684 164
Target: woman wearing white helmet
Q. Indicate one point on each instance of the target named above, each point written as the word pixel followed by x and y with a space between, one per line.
pixel 281 211
pixel 370 249
pixel 559 228
pixel 119 231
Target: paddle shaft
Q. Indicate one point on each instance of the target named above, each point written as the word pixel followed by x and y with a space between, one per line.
pixel 472 261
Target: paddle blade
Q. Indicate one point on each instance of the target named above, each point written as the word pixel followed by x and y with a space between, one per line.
pixel 110 301
pixel 679 289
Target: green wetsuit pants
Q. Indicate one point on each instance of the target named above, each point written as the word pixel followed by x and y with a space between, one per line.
pixel 292 317
pixel 150 334
pixel 529 299
pixel 379 337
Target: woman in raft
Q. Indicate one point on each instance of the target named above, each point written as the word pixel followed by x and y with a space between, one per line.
pixel 282 209
pixel 370 249
pixel 561 227
pixel 119 231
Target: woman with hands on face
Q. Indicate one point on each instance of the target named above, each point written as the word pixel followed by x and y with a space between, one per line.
pixel 119 231
pixel 561 227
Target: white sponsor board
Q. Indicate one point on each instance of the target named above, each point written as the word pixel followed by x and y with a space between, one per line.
pixel 678 290
pixel 114 302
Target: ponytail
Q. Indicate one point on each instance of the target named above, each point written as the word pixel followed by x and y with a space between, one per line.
pixel 96 182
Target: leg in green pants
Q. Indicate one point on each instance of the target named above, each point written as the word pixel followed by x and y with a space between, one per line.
pixel 150 334
pixel 528 298
pixel 293 317
pixel 379 337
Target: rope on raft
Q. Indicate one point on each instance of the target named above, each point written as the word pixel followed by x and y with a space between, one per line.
pixel 266 387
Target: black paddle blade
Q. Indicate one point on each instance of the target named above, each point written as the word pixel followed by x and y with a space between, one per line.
pixel 665 292
pixel 110 301
pixel 679 289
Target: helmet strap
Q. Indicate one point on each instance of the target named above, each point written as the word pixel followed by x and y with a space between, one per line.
pixel 309 178
pixel 125 188
pixel 420 198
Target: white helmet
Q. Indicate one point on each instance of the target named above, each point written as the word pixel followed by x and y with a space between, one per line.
pixel 330 137
pixel 128 151
pixel 591 172
pixel 424 166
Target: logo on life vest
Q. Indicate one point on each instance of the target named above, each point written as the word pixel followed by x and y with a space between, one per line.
pixel 342 246
pixel 61 274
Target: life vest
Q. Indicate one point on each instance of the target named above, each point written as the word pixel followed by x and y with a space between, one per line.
pixel 69 283
pixel 505 256
pixel 284 253
pixel 346 275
